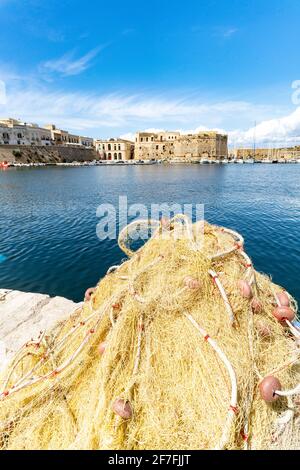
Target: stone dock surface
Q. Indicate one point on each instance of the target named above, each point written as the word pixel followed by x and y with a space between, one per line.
pixel 23 315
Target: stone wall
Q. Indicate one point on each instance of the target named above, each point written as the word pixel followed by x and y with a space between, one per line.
pixel 23 315
pixel 187 147
pixel 267 153
pixel 201 146
pixel 45 154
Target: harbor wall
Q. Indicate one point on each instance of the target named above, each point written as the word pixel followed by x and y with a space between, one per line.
pixel 46 154
pixel 23 315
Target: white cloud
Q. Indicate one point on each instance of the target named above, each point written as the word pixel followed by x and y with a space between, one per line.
pixel 128 136
pixel 283 131
pixel 68 65
pixel 224 32
pixel 229 32
pixel 131 135
pixel 274 132
pixel 113 110
pixel 103 115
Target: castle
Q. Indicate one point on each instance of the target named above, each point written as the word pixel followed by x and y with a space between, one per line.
pixel 174 145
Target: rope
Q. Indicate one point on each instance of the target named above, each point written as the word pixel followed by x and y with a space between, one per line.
pixel 223 295
pixel 233 400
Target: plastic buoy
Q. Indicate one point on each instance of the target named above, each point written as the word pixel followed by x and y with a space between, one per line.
pixel 256 306
pixel 268 387
pixel 283 299
pixel 192 283
pixel 122 408
pixel 245 289
pixel 102 347
pixel 264 330
pixel 89 292
pixel 165 222
pixel 116 306
pixel 283 313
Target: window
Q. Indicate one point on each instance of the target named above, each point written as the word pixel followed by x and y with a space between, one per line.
pixel 157 147
pixel 115 156
pixel 109 146
pixel 109 156
pixel 115 147
pixel 19 135
pixel 142 139
pixel 146 139
pixel 119 147
pixel 152 138
pixel 120 156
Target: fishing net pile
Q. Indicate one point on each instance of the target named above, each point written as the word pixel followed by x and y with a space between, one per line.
pixel 182 346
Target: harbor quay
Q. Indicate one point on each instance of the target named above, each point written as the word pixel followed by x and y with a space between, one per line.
pixel 28 144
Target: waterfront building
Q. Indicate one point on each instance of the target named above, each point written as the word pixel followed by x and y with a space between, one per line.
pixel 62 137
pixel 59 137
pixel 15 132
pixel 86 141
pixel 115 149
pixel 173 145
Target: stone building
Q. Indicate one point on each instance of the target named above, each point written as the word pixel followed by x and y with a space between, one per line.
pixel 86 141
pixel 173 145
pixel 115 149
pixel 15 132
pixel 276 154
pixel 61 137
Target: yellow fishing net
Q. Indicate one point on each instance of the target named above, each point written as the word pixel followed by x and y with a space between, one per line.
pixel 182 346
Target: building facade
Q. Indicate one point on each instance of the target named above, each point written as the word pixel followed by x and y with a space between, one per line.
pixel 86 141
pixel 115 149
pixel 173 145
pixel 15 132
pixel 61 137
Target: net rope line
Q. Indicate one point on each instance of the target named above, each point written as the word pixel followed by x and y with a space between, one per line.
pixel 292 327
pixel 232 411
pixel 246 429
pixel 238 247
pixel 36 379
pixel 56 348
pixel 19 385
pixel 219 285
pixel 295 333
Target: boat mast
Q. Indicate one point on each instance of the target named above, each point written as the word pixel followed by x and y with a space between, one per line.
pixel 254 141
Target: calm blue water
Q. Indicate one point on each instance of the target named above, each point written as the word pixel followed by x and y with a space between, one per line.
pixel 48 219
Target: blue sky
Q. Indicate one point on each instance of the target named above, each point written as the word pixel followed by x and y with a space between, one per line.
pixel 110 68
